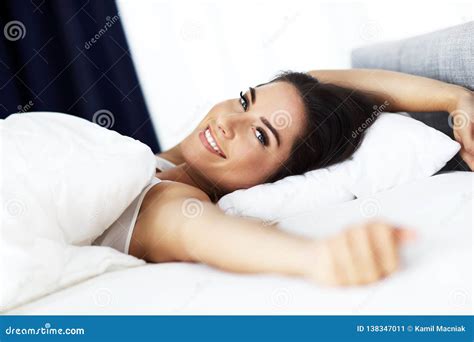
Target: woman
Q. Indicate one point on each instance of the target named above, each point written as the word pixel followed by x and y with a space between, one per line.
pixel 292 124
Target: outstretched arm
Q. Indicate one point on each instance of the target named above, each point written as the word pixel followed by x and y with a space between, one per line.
pixel 183 225
pixel 405 92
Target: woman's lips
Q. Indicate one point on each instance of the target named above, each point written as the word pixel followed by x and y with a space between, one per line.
pixel 207 145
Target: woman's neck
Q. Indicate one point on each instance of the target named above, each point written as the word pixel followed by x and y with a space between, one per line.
pixel 173 155
pixel 176 174
pixel 183 173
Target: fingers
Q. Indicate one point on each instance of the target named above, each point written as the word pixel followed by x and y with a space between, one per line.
pixel 365 253
pixel 368 268
pixel 403 235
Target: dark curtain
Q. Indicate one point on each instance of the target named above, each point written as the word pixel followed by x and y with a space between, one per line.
pixel 71 56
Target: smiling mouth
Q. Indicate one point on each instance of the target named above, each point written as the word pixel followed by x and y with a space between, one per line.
pixel 210 143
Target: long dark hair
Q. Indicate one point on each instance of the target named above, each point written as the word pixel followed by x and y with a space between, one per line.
pixel 336 120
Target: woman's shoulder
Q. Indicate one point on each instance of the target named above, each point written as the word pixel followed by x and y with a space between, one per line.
pixel 159 211
pixel 171 190
pixel 163 198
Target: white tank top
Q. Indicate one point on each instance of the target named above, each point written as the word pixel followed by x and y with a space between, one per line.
pixel 119 234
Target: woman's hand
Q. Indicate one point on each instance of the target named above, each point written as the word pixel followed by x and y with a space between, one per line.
pixel 462 121
pixel 359 255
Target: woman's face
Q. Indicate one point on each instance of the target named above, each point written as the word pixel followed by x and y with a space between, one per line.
pixel 244 140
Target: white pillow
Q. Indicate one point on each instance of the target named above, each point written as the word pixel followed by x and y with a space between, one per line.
pixel 396 149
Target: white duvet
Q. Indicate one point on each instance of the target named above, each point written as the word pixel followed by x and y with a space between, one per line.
pixel 435 278
pixel 64 181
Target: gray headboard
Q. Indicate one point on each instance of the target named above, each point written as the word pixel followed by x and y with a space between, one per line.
pixel 446 55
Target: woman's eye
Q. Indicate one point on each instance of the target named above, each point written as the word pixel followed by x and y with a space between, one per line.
pixel 243 101
pixel 261 136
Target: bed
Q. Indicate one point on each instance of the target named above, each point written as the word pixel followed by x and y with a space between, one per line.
pixel 436 276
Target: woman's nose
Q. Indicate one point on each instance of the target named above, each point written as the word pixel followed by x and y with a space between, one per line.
pixel 224 130
pixel 230 123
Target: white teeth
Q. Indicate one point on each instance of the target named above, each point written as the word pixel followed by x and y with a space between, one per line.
pixel 211 141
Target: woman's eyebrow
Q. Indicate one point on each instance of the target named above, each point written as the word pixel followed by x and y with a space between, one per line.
pixel 253 96
pixel 272 129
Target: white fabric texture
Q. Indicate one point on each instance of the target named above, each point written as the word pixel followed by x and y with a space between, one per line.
pixel 65 181
pixel 396 149
pixel 435 276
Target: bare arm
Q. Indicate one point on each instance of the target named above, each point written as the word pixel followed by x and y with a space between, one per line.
pixel 404 92
pixel 184 225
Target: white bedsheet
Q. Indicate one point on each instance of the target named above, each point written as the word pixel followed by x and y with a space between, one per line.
pixel 436 276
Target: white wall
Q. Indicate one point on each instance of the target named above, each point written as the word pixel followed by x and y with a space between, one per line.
pixel 191 54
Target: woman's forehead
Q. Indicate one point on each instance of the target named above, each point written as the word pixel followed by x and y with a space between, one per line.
pixel 280 95
pixel 282 105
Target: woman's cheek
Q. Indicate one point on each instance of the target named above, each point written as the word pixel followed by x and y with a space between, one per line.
pixel 247 152
pixel 254 162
